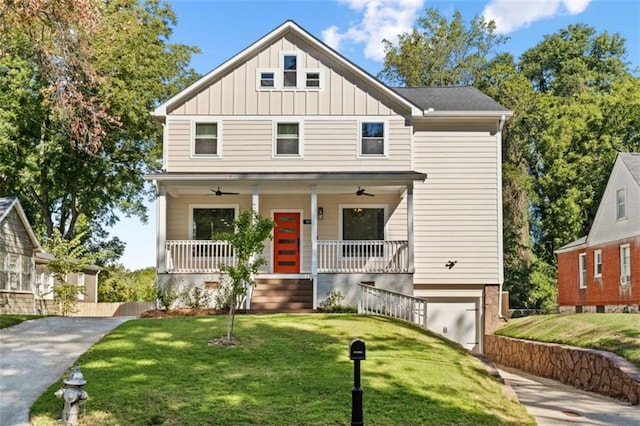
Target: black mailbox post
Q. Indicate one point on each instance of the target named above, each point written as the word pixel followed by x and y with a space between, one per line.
pixel 357 353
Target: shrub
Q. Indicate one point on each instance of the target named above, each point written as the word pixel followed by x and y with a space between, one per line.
pixel 167 295
pixel 196 298
pixel 333 304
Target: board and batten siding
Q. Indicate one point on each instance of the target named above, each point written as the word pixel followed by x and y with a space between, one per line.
pixel 235 93
pixel 327 145
pixel 606 227
pixel 456 208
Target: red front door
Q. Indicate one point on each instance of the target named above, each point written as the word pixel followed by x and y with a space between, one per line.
pixel 286 250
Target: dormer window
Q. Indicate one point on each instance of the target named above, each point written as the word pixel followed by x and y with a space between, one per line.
pixel 621 204
pixel 290 75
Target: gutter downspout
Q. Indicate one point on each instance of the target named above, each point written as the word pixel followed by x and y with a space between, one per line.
pixel 501 123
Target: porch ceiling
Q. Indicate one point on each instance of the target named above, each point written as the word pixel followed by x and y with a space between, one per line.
pixel 286 183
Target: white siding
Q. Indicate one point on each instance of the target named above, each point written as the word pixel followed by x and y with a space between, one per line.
pixel 456 208
pixel 606 227
pixel 342 92
pixel 328 144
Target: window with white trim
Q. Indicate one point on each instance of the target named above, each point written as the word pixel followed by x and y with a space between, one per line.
pixel 361 223
pixel 621 204
pixel 372 139
pixel 208 222
pixel 625 264
pixel 80 284
pixel 267 79
pixel 290 71
pixel 582 266
pixel 597 263
pixel 287 140
pixel 312 79
pixel 206 140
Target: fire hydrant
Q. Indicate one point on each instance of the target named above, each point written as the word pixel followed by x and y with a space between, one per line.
pixel 72 394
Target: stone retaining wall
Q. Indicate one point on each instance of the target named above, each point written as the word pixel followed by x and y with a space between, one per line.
pixel 596 371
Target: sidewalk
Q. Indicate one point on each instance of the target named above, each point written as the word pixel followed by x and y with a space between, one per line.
pixel 555 404
pixel 35 354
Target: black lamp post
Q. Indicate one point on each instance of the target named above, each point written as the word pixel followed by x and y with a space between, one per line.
pixel 357 353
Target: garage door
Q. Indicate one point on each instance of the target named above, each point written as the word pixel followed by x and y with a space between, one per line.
pixel 456 320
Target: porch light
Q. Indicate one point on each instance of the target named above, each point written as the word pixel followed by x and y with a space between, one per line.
pixel 320 213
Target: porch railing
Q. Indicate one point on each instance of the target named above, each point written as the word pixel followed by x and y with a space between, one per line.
pixel 363 256
pixel 375 301
pixel 198 255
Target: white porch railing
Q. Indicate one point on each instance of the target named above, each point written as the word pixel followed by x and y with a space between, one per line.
pixel 375 301
pixel 334 256
pixel 363 256
pixel 199 256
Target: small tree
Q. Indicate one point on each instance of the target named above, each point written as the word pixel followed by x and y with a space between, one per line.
pixel 251 231
pixel 71 256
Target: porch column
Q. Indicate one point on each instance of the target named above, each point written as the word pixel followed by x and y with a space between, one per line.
pixel 410 239
pixel 255 199
pixel 314 243
pixel 161 228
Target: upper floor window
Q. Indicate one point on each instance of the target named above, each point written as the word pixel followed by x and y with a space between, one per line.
pixel 312 79
pixel 372 139
pixel 206 140
pixel 621 204
pixel 582 261
pixel 597 263
pixel 267 79
pixel 625 264
pixel 290 75
pixel 287 140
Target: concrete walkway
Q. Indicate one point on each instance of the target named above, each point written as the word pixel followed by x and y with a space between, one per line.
pixel 35 354
pixel 555 404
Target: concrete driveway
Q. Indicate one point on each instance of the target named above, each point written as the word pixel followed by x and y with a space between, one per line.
pixel 556 404
pixel 34 354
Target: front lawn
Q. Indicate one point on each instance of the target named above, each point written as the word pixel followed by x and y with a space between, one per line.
pixel 617 333
pixel 7 320
pixel 287 370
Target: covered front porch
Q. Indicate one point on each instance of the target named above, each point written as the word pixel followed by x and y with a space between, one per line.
pixel 354 225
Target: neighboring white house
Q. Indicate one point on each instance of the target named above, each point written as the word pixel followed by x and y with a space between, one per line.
pixel 396 187
pixel 26 285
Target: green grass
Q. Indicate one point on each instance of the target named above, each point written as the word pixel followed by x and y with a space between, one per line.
pixel 7 320
pixel 617 333
pixel 287 370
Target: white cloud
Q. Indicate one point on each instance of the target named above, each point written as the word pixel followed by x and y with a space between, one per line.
pixel 381 19
pixel 511 15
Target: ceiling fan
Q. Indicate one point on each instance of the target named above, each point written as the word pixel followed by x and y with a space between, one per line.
pixel 218 192
pixel 362 191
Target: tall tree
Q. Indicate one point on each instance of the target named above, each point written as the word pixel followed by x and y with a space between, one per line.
pixel 130 66
pixel 439 52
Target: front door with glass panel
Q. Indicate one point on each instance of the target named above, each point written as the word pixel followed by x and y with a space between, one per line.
pixel 286 236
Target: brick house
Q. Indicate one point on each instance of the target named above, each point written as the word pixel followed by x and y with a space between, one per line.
pixel 600 272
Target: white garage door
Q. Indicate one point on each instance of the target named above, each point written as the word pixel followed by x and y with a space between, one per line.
pixel 456 320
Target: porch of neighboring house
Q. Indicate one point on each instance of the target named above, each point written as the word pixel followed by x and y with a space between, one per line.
pixel 328 236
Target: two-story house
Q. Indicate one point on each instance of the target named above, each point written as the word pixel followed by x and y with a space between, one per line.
pixel 600 272
pixel 399 188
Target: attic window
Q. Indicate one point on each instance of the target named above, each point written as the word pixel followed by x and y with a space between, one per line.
pixel 290 76
pixel 267 79
pixel 621 204
pixel 313 79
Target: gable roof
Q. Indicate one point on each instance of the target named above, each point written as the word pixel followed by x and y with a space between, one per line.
pixel 632 162
pixel 465 100
pixel 11 203
pixel 436 99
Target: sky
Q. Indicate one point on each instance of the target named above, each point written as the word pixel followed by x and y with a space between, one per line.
pixel 355 28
